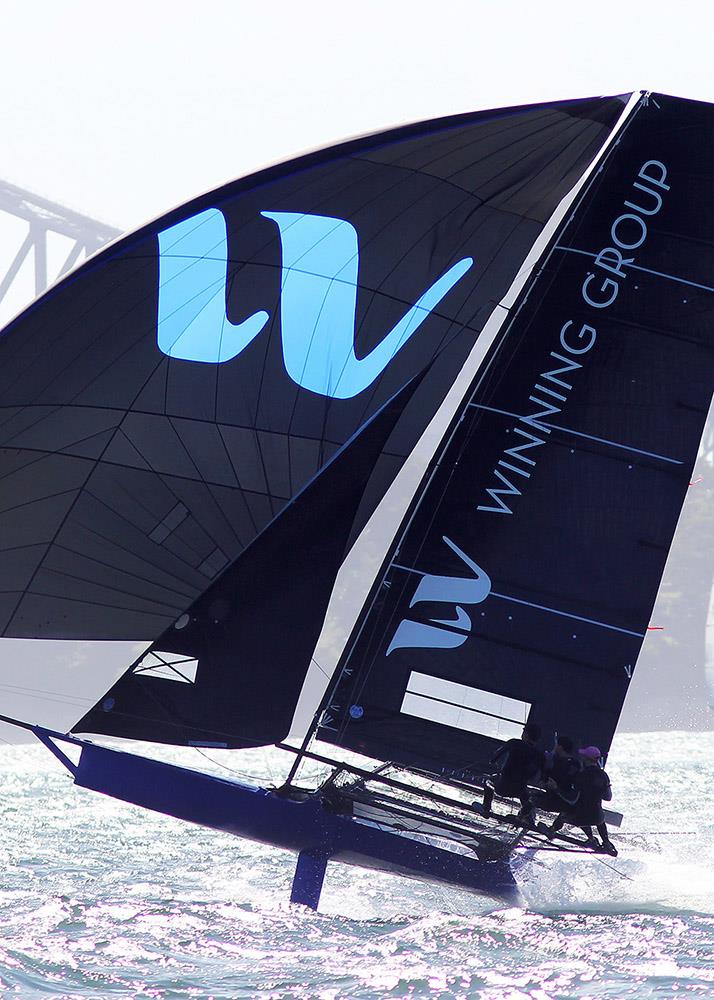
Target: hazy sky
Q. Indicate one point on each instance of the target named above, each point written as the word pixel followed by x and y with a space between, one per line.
pixel 123 110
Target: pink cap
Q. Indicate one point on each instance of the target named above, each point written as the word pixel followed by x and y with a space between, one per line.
pixel 592 753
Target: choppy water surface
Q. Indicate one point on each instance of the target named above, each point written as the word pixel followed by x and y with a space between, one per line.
pixel 99 899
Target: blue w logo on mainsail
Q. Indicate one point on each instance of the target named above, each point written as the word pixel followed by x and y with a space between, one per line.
pixel 456 590
pixel 320 268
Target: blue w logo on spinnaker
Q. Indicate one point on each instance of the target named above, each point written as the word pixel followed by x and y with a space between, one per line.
pixel 320 268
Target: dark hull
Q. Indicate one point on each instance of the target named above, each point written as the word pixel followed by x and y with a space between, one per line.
pixel 305 827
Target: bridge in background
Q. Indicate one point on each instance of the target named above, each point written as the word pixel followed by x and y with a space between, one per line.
pixel 45 241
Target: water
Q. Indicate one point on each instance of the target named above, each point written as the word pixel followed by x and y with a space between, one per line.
pixel 99 899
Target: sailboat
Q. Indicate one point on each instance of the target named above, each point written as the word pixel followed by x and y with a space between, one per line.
pixel 478 349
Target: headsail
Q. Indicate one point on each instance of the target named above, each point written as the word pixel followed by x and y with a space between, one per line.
pixel 523 580
pixel 163 403
pixel 228 672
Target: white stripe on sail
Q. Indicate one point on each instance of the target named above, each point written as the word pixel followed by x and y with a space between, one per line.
pixel 475 699
pixel 460 718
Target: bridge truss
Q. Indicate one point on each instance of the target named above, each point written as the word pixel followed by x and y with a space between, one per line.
pixel 45 236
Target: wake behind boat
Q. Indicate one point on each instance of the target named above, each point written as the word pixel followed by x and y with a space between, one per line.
pixel 218 411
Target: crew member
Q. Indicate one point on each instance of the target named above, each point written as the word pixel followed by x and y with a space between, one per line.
pixel 593 787
pixel 561 767
pixel 522 762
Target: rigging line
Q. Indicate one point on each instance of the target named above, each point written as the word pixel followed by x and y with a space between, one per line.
pixel 539 607
pixel 395 545
pixel 566 614
pixel 423 814
pixel 589 437
pixel 373 776
pixel 233 770
pixel 320 668
pixel 309 735
pixel 613 869
pixel 56 696
pixel 452 335
pixel 659 833
pixel 428 477
pixel 244 774
pixel 646 270
pixel 435 826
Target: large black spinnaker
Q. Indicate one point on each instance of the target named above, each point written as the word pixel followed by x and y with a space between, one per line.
pixel 164 402
pixel 523 580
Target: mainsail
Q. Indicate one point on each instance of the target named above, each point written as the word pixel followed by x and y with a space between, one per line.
pixel 521 585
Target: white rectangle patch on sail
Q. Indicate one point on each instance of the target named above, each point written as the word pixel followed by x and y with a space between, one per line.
pixel 463 707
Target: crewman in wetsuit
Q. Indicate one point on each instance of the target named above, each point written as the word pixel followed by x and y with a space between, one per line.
pixel 522 764
pixel 593 787
pixel 561 767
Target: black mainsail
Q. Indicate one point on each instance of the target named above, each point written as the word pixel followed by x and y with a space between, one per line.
pixel 522 583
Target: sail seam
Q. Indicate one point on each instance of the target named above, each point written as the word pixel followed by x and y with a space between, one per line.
pixel 540 607
pixel 568 614
pixel 582 434
pixel 646 270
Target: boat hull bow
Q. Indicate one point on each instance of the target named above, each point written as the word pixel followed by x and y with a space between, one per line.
pixel 306 826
